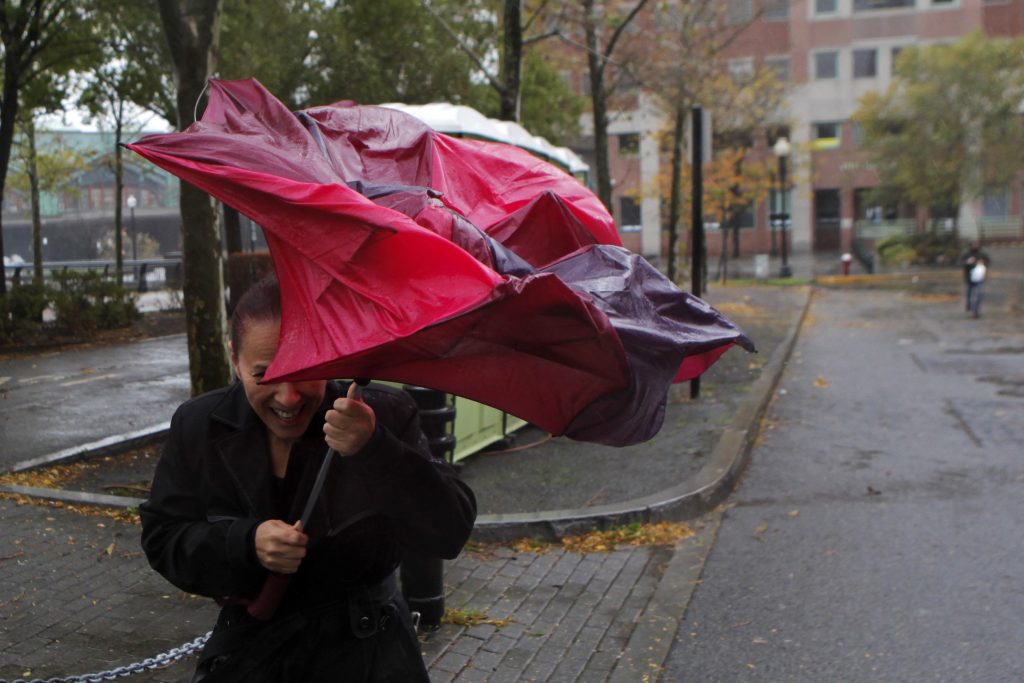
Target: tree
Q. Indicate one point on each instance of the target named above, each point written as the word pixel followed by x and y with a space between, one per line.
pixel 948 126
pixel 603 26
pixel 277 42
pixel 395 50
pixel 38 38
pixel 688 42
pixel 192 29
pixel 527 87
pixel 119 85
pixel 38 171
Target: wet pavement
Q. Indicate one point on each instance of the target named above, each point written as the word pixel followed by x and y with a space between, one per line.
pixel 77 596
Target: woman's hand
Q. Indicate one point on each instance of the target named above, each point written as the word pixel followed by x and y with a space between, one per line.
pixel 349 424
pixel 280 546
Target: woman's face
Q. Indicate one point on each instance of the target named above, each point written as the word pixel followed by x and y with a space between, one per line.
pixel 286 408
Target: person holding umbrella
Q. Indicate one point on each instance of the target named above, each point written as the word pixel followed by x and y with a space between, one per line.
pixel 314 599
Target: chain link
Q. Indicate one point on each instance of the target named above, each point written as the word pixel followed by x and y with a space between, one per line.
pixel 156 662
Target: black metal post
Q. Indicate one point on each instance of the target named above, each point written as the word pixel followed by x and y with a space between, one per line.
pixel 785 271
pixel 697 215
pixel 423 577
pixel 773 251
pixel 135 252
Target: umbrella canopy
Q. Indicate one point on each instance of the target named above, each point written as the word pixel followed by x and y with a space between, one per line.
pixel 469 267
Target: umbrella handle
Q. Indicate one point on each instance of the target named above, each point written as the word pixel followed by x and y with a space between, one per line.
pixel 265 604
pixel 274 586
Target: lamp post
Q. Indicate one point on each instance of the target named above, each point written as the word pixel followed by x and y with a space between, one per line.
pixel 132 203
pixel 782 149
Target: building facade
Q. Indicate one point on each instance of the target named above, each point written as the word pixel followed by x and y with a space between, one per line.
pixel 829 53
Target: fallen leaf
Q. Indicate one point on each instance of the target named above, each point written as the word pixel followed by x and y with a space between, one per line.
pixel 820 382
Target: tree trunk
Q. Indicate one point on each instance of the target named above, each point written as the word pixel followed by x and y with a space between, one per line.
pixel 192 28
pixel 675 193
pixel 33 184
pixel 512 61
pixel 599 104
pixel 8 115
pixel 118 201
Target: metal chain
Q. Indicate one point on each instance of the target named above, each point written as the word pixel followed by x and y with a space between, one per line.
pixel 159 661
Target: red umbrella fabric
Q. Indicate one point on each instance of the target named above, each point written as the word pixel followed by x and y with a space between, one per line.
pixel 469 267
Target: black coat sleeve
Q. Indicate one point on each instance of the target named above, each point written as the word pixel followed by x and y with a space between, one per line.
pixel 432 510
pixel 190 544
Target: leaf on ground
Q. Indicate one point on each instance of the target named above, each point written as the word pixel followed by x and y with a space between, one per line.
pixel 820 382
pixel 470 618
pixel 660 533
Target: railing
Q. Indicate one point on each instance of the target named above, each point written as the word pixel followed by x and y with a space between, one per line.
pixel 144 272
pixel 988 227
pixel 875 230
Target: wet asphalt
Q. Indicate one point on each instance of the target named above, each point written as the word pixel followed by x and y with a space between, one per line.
pixel 63 399
pixel 879 532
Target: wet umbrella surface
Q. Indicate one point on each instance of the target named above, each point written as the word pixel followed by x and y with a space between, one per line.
pixel 469 267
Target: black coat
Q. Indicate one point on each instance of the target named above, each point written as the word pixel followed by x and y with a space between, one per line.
pixel 214 485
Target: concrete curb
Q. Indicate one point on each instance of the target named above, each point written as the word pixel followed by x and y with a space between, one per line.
pixel 686 500
pixel 79 497
pixel 111 444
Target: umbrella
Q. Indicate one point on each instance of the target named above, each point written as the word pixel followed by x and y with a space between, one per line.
pixel 465 266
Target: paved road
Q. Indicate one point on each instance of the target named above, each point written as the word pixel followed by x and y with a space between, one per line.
pixel 879 534
pixel 49 401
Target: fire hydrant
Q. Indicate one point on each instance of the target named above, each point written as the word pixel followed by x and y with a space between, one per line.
pixel 846 259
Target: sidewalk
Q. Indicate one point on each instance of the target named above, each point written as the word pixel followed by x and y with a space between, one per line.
pixel 78 597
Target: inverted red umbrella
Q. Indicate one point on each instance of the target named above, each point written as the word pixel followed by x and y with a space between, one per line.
pixel 468 267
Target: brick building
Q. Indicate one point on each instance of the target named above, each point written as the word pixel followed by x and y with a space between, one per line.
pixel 829 52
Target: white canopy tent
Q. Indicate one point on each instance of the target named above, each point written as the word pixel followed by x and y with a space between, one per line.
pixel 462 121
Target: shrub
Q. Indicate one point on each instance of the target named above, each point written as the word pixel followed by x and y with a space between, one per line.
pixel 21 313
pixel 925 248
pixel 83 302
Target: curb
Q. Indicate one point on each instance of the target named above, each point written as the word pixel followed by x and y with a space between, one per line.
pixel 80 497
pixel 111 444
pixel 686 500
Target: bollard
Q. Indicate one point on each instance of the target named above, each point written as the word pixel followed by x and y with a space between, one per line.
pixel 846 259
pixel 423 577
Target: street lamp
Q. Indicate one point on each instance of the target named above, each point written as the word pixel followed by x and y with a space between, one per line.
pixel 132 203
pixel 782 149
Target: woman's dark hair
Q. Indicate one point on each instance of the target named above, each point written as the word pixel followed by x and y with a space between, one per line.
pixel 260 303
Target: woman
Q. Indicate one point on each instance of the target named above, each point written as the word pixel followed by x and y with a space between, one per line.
pixel 234 477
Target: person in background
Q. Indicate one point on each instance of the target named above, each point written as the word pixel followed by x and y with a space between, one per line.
pixel 233 479
pixel 975 263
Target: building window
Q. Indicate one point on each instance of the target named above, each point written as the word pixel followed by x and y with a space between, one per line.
pixel 826 64
pixel 629 214
pixel 739 11
pixel 629 144
pixel 895 55
pixel 825 7
pixel 740 69
pixel 780 66
pixel 995 203
pixel 826 134
pixel 873 5
pixel 865 63
pixel 776 10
